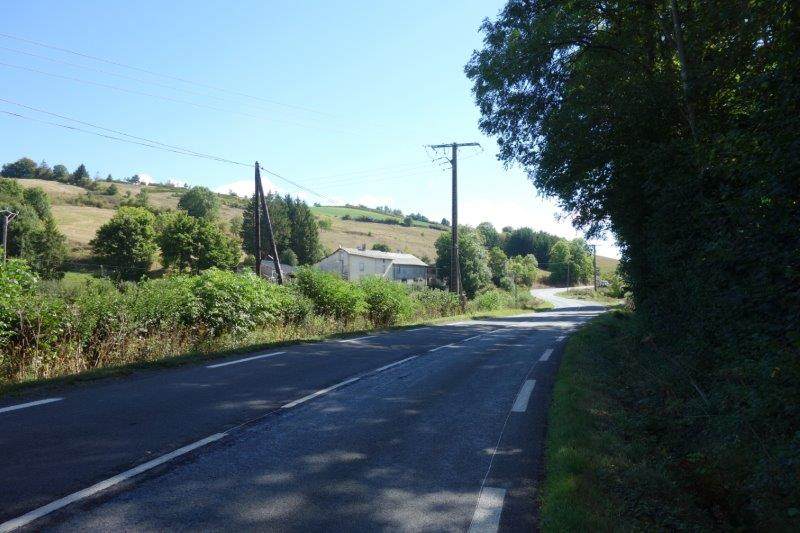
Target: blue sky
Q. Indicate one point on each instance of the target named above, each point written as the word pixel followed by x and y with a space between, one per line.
pixel 341 97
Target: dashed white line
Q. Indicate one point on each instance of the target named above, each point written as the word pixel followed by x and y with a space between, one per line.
pixel 390 365
pixel 29 517
pixel 560 338
pixel 473 337
pixel 320 392
pixel 486 518
pixel 524 395
pixel 246 359
pixel 440 347
pixel 29 404
pixel 357 338
pixel 546 355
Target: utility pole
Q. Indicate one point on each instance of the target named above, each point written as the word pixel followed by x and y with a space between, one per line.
pixel 594 265
pixel 270 234
pixel 8 216
pixel 257 224
pixel 455 268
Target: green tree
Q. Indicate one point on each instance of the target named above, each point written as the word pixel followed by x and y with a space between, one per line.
pixel 127 242
pixel 489 235
pixel 475 273
pixel 24 168
pixel 293 224
pixel 189 243
pixel 60 173
pixel 498 260
pixel 381 247
pixel 200 202
pixel 33 234
pixel 570 262
pixel 81 176
pixel 44 172
pixel 523 269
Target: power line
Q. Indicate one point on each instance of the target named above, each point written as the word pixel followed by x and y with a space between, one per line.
pixel 131 78
pixel 166 76
pixel 166 98
pixel 168 148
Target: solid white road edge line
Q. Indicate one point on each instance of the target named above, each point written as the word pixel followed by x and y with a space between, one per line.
pixel 29 517
pixel 560 338
pixel 29 404
pixel 524 395
pixel 237 361
pixel 486 518
pixel 546 355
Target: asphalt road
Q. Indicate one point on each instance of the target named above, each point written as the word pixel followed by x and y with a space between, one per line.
pixel 434 428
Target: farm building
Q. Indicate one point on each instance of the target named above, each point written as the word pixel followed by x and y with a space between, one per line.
pixel 354 263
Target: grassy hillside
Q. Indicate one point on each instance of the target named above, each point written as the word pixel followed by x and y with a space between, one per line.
pixel 335 211
pixel 79 221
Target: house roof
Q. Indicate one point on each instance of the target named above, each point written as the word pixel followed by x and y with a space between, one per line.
pixel 396 258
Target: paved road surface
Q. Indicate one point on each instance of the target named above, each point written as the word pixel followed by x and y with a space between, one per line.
pixel 436 428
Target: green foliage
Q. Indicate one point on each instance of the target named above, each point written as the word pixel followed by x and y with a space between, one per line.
pixel 475 273
pixel 675 126
pixel 491 300
pixel 233 303
pixel 80 177
pixel 112 189
pixel 189 243
pixel 434 303
pixel 522 270
pixel 127 242
pixel 380 247
pixel 17 283
pixel 331 295
pixel 288 257
pixel 200 202
pixel 24 168
pixel 498 264
pixel 386 302
pixel 60 173
pixel 32 234
pixel 570 263
pixel 525 241
pixel 489 236
pixel 293 224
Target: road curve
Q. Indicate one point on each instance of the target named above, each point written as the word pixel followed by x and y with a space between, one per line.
pixel 436 428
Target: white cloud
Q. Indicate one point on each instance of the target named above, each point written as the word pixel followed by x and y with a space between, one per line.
pixel 144 177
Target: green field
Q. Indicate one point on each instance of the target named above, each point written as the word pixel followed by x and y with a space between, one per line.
pixel 334 211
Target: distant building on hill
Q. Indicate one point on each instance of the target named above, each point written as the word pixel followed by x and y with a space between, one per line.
pixel 355 263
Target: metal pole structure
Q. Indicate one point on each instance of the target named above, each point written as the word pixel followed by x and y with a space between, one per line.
pixel 256 224
pixel 8 216
pixel 270 234
pixel 594 265
pixel 455 267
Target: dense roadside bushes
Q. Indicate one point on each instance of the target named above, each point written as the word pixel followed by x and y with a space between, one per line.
pixel 51 328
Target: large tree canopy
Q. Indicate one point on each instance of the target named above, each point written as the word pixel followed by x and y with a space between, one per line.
pixel 674 124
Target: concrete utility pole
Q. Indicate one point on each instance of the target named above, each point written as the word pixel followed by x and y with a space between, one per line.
pixel 257 224
pixel 270 234
pixel 455 269
pixel 8 216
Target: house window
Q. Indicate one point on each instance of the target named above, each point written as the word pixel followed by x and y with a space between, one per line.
pixel 361 266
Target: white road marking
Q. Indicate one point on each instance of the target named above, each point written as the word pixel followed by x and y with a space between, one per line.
pixel 546 355
pixel 440 347
pixel 320 392
pixel 486 518
pixel 390 365
pixel 357 338
pixel 417 329
pixel 29 517
pixel 474 337
pixel 524 395
pixel 29 404
pixel 246 359
pixel 560 338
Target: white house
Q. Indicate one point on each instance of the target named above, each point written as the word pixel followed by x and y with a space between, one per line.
pixel 353 263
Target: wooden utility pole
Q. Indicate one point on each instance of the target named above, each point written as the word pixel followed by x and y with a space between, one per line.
pixel 594 265
pixel 270 234
pixel 455 268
